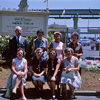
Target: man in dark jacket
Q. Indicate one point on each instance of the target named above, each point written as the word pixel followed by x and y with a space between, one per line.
pixel 16 42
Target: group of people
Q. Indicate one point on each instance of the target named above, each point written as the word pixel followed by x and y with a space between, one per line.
pixel 45 67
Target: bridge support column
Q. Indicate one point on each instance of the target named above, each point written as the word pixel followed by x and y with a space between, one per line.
pixel 75 25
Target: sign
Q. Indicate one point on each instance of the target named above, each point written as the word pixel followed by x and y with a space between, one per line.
pixel 29 24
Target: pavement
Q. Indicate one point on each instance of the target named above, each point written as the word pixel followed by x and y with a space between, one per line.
pixel 80 95
pixel 32 94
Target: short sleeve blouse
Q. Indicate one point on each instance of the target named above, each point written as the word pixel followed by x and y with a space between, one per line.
pixel 38 65
pixel 71 63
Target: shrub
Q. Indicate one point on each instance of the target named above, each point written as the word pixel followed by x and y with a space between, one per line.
pixel 4 45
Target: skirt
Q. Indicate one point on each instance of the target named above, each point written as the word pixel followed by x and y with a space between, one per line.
pixel 41 78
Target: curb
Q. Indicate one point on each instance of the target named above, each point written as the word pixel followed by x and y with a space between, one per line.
pixel 87 93
pixel 79 93
pixel 2 90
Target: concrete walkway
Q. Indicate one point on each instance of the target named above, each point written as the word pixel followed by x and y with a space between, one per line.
pixel 31 95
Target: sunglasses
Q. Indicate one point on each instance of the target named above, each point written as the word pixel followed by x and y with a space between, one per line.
pixel 20 53
pixel 52 53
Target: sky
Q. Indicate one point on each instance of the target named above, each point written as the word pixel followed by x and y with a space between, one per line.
pixel 59 4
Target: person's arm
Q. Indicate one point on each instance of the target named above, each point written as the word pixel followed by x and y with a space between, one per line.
pixel 33 46
pixel 43 64
pixel 31 69
pixel 25 45
pixel 80 52
pixel 47 46
pixel 44 70
pixel 13 69
pixel 76 68
pixel 63 52
pixel 25 68
pixel 51 46
pixel 56 71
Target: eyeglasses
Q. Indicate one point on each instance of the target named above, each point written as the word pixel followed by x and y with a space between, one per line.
pixel 39 52
pixel 18 30
pixel 39 34
pixel 19 53
pixel 52 53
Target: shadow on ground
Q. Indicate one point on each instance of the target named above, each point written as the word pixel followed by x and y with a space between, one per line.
pixel 32 93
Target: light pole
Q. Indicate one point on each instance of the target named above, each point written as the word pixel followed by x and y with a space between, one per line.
pixel 99 41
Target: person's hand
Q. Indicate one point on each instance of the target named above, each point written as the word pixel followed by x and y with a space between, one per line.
pixel 39 75
pixel 53 79
pixel 68 70
pixel 36 75
pixel 75 54
pixel 64 69
pixel 19 75
pixel 22 75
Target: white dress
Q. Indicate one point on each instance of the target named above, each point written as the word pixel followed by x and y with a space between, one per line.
pixel 76 82
pixel 58 47
pixel 19 68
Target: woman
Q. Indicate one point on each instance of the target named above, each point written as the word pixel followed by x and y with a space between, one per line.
pixel 76 46
pixel 38 69
pixel 19 69
pixel 71 64
pixel 41 42
pixel 53 67
pixel 58 45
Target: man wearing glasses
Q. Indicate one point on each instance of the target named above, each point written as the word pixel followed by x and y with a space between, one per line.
pixel 16 42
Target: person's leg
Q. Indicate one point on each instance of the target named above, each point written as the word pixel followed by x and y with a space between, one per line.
pixel 53 88
pixel 40 84
pixel 18 81
pixel 21 87
pixel 49 83
pixel 35 84
pixel 72 90
pixel 64 92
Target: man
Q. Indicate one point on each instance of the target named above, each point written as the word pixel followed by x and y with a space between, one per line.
pixel 16 42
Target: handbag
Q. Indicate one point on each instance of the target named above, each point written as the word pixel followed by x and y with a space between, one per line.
pixel 71 74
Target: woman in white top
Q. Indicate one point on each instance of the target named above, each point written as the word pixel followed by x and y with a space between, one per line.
pixel 19 68
pixel 58 45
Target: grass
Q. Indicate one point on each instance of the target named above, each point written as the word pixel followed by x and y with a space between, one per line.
pixel 4 77
pixel 94 76
pixel 87 78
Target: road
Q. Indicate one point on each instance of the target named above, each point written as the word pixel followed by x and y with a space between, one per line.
pixel 87 52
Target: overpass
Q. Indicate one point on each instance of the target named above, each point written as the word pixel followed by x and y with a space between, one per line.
pixel 75 14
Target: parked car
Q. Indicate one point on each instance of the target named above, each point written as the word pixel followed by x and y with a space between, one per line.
pixel 85 42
